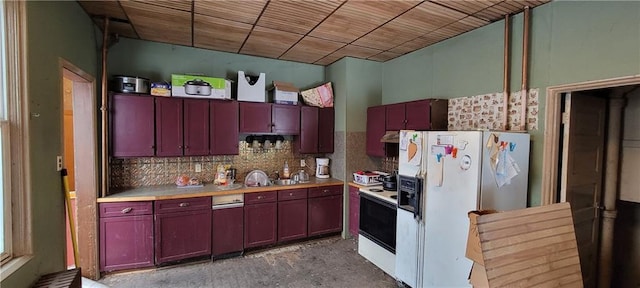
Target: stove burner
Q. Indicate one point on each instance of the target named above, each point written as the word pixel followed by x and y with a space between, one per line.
pixel 393 196
pixel 385 189
pixel 375 190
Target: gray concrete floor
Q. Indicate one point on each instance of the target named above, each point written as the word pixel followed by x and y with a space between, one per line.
pixel 329 262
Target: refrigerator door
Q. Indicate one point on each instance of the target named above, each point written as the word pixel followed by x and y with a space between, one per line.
pixel 411 157
pixel 505 171
pixel 452 186
pixel 406 248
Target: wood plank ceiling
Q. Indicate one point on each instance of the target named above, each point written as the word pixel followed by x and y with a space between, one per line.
pixel 316 32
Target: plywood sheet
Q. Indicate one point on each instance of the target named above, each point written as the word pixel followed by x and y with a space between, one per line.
pixel 104 8
pixel 384 56
pixel 237 11
pixel 311 49
pixel 157 23
pixel 184 5
pixel 296 16
pixel 529 247
pixel 120 28
pixel 349 50
pixel 268 42
pixel 219 34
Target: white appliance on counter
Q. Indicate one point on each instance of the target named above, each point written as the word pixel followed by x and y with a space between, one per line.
pixel 452 173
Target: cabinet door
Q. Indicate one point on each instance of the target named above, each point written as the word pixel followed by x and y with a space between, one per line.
pixel 224 128
pixel 375 130
pixel 132 126
pixel 227 231
pixel 260 224
pixel 182 235
pixel 255 117
pixel 169 126
pixel 325 215
pixel 326 123
pixel 354 211
pixel 395 116
pixel 418 115
pixel 126 242
pixel 286 119
pixel 196 127
pixel 308 129
pixel 292 220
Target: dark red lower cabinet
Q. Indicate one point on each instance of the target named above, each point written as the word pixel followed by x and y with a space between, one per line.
pixel 260 223
pixel 292 220
pixel 126 242
pixel 325 215
pixel 227 231
pixel 182 235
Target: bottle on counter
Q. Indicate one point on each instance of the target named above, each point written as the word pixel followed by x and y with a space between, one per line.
pixel 285 171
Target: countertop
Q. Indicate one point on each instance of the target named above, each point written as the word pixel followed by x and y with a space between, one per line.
pixel 163 192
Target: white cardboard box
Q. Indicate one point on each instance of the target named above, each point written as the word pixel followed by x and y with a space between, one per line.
pixel 251 93
pixel 284 93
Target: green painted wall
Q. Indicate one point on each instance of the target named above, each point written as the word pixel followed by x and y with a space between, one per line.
pixel 55 29
pixel 364 90
pixel 570 42
pixel 337 74
pixel 158 61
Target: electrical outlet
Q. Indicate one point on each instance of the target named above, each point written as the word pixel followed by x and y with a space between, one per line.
pixel 198 167
pixel 58 163
pixel 303 163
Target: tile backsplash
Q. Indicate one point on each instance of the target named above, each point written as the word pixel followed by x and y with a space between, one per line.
pixel 145 171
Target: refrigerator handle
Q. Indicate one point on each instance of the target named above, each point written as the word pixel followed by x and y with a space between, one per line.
pixel 417 211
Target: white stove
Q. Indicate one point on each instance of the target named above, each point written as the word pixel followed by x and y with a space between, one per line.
pixel 378 192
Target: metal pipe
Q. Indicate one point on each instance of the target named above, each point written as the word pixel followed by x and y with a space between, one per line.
pixel 505 81
pixel 525 69
pixel 105 155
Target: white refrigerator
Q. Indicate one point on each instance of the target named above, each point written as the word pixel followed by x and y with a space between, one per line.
pixel 462 171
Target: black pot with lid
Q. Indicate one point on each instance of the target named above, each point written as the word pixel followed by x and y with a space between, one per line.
pixel 390 182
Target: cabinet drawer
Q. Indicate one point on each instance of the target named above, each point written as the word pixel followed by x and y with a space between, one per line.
pixel 179 205
pixel 325 191
pixel 119 209
pixel 292 194
pixel 262 197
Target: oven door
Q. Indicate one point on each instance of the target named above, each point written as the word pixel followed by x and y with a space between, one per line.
pixel 378 221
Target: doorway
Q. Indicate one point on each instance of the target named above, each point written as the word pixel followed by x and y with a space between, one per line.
pixel 80 159
pixel 574 173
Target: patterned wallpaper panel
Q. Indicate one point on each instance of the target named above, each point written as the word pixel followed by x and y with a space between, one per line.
pixel 145 171
pixel 485 111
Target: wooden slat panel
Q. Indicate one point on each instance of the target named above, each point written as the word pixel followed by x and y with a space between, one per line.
pixel 102 8
pixel 349 50
pixel 388 36
pixel 384 56
pixel 159 24
pixel 357 18
pixel 415 44
pixel 296 16
pixel 497 12
pixel 311 49
pixel 468 7
pixel 268 42
pixel 122 29
pixel 219 34
pixel 239 11
pixel 528 247
pixel 184 5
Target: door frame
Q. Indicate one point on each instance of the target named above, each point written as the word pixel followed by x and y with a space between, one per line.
pixel 86 202
pixel 553 131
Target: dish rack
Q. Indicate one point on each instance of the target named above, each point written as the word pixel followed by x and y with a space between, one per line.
pixel 369 178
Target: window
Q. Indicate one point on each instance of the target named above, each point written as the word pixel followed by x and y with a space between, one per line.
pixel 14 240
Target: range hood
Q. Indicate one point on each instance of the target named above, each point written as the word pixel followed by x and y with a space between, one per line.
pixel 391 137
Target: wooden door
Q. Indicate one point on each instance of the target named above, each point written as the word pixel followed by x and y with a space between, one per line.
pixel 375 130
pixel 227 231
pixel 582 173
pixel 182 235
pixel 260 224
pixel 395 116
pixel 292 219
pixel 169 119
pixel 325 215
pixel 326 123
pixel 418 115
pixel 285 119
pixel 132 125
pixel 224 128
pixel 196 127
pixel 308 129
pixel 255 117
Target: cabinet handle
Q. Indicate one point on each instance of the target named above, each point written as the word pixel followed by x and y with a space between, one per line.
pixel 260 197
pixel 184 204
pixel 179 146
pixel 290 193
pixel 325 191
pixel 126 210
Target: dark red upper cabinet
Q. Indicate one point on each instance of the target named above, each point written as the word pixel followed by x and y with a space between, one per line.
pixel 285 119
pixel 196 127
pixel 169 126
pixel 375 131
pixel 255 117
pixel 326 128
pixel 224 128
pixel 132 126
pixel 395 116
pixel 308 129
